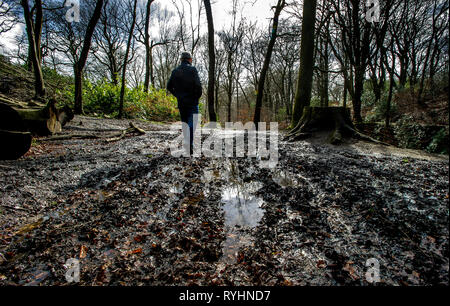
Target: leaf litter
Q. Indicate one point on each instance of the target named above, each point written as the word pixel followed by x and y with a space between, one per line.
pixel 134 215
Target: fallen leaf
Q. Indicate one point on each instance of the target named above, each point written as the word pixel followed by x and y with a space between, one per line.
pixel 83 251
pixel 321 264
pixel 138 238
pixel 137 251
pixel 351 271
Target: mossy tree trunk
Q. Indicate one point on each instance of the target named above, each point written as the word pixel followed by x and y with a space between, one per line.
pixel 39 119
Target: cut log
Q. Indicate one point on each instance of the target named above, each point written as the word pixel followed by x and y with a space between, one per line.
pixel 16 144
pixel 43 121
pixel 334 119
pixel 40 119
pixel 15 139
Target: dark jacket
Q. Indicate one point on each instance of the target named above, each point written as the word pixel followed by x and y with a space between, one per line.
pixel 185 85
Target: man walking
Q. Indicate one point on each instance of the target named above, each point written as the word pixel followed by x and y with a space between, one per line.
pixel 185 85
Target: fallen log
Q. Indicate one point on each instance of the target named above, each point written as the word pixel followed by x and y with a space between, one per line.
pixel 43 121
pixel 14 137
pixel 40 119
pixel 109 138
pixel 335 119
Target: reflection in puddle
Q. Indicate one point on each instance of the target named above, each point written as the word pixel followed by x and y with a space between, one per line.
pixel 176 189
pixel 234 241
pixel 284 178
pixel 242 209
pixel 240 206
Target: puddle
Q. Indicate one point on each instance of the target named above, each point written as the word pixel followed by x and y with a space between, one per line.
pixel 241 207
pixel 284 178
pixel 242 211
pixel 235 240
pixel 176 189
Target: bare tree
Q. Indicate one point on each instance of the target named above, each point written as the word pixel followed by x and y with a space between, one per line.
pixel 127 52
pixel 34 32
pixel 189 34
pixel 231 40
pixel 262 78
pixel 81 62
pixel 7 19
pixel 439 24
pixel 110 37
pixel 212 62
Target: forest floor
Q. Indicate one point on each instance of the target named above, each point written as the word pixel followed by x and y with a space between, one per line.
pixel 133 214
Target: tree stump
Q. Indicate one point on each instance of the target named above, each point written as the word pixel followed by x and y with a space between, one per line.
pixel 14 137
pixel 334 119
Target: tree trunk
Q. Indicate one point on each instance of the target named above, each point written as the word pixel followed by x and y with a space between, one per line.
pixel 359 87
pixel 267 58
pixel 148 59
pixel 345 94
pixel 125 63
pixel 79 65
pixel 391 89
pixel 305 75
pixel 41 122
pixel 212 62
pixel 78 90
pixel 324 77
pixel 229 101
pixel 34 51
pixel 152 76
pixel 38 29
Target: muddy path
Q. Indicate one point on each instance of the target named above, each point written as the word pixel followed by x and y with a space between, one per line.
pixel 134 215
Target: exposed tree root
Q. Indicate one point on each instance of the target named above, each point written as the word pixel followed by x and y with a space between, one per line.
pixel 336 119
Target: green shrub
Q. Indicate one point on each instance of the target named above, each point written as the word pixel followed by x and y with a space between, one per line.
pixel 102 98
pixel 157 105
pixel 378 108
pixel 409 134
pixel 368 97
pixel 439 143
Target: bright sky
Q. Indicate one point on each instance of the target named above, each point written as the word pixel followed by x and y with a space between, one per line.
pixel 259 10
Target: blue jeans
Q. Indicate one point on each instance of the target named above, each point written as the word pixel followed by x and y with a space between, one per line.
pixel 187 116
